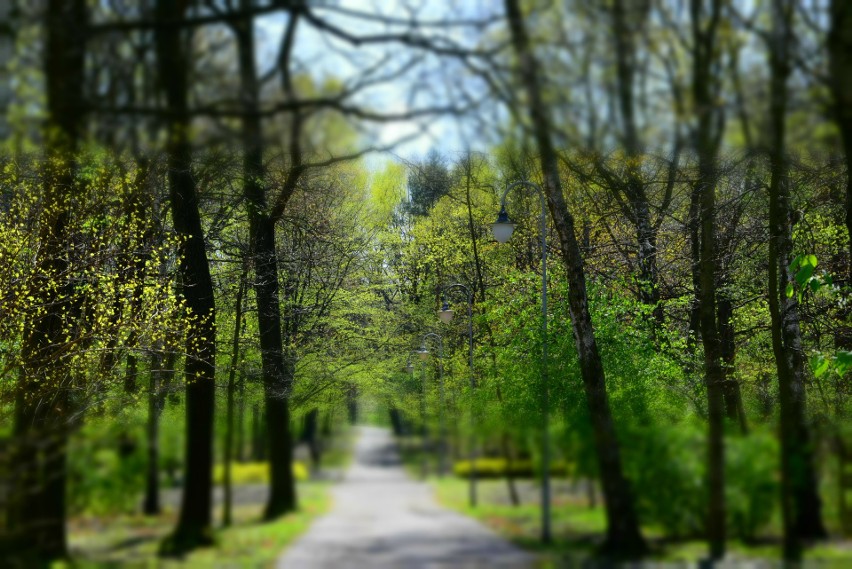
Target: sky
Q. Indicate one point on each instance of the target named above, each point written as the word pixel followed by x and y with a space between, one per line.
pixel 323 56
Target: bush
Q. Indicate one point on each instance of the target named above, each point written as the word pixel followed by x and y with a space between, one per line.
pixel 106 466
pixel 497 468
pixel 254 472
pixel 752 490
pixel 668 468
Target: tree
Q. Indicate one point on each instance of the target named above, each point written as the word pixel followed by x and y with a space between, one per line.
pixel 277 382
pixel 800 501
pixel 43 406
pixel 623 535
pixel 840 80
pixel 194 524
pixel 427 182
pixel 708 132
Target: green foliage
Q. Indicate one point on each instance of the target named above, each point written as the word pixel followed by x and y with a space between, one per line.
pixel 667 464
pixel 752 490
pixel 106 465
pixel 428 181
pixel 803 267
pixel 111 278
pixel 667 468
pixel 499 468
pixel 255 472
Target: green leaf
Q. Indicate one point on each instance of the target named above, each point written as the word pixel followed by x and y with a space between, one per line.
pixel 804 274
pixel 815 284
pixel 819 364
pixel 843 362
pixel 796 262
pixel 789 290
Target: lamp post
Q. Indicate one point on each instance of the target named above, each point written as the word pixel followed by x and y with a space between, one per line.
pixel 446 316
pixel 502 230
pixel 442 433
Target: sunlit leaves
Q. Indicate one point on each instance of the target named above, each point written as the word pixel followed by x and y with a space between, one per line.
pixel 87 259
pixel 822 363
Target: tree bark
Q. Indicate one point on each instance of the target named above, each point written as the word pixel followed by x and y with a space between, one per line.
pixel 623 537
pixel 277 376
pixel 258 441
pixel 228 451
pixel 240 443
pixel 709 128
pixel 732 394
pixel 714 371
pixel 194 523
pixel 840 78
pixel 312 437
pixel 156 399
pixel 800 501
pixel 352 403
pixel 637 206
pixel 42 402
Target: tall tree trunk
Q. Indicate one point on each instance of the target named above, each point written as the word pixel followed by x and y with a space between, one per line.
pixel 840 75
pixel 258 441
pixel 623 537
pixel 800 501
pixel 240 435
pixel 194 523
pixel 352 403
pixel 732 394
pixel 312 437
pixel 156 399
pixel 277 377
pixel 228 454
pixel 636 204
pixel 709 128
pixel 714 371
pixel 282 497
pixel 42 403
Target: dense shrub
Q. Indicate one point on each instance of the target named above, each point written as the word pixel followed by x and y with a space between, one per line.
pixel 106 467
pixel 254 472
pixel 666 466
pixel 668 470
pixel 752 486
pixel 497 468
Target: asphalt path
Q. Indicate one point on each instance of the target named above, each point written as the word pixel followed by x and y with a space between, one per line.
pixel 381 519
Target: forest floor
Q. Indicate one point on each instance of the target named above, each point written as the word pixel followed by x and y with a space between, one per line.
pixel 130 541
pixel 382 518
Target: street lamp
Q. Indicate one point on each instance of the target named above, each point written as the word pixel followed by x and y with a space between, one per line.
pixel 502 230
pixel 423 352
pixel 446 313
pixel 442 432
pixel 446 316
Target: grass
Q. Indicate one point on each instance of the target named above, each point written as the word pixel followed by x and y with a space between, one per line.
pixel 132 541
pixel 578 528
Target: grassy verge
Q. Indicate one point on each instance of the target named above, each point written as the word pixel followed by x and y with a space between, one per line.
pixel 578 528
pixel 132 541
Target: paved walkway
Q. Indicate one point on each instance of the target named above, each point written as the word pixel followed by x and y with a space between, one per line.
pixel 382 519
